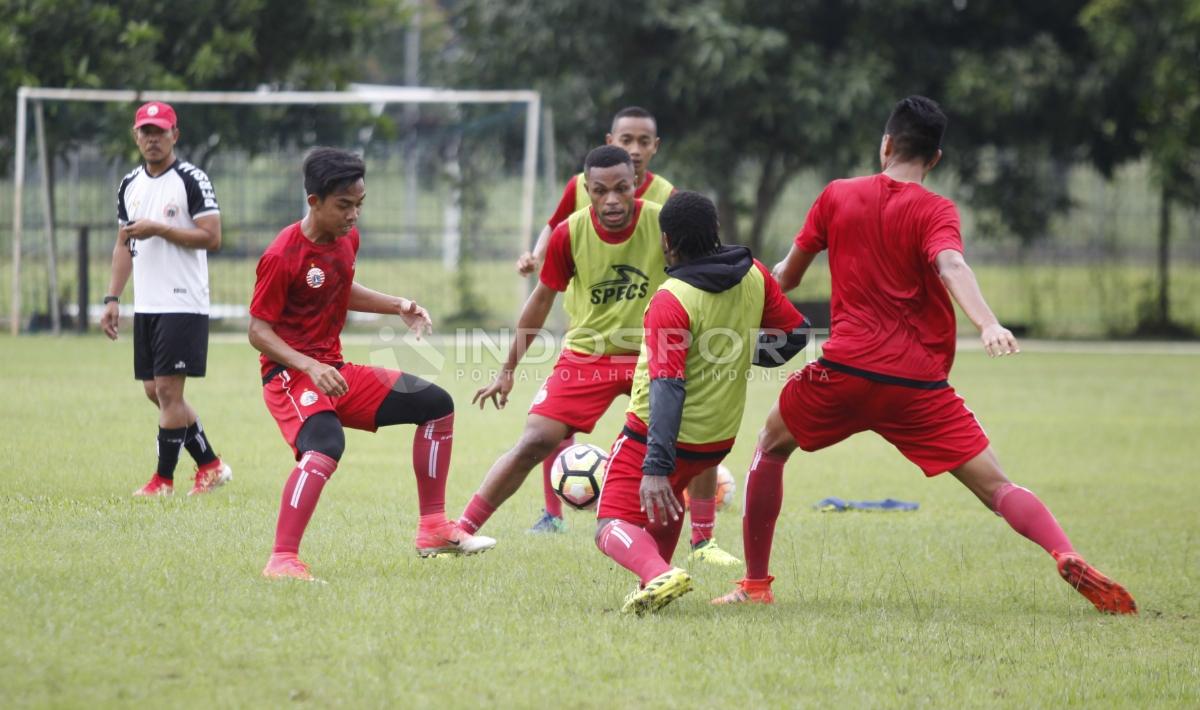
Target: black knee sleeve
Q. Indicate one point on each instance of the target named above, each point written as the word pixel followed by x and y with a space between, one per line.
pixel 413 401
pixel 322 433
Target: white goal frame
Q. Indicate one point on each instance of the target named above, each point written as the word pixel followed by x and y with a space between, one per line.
pixel 361 94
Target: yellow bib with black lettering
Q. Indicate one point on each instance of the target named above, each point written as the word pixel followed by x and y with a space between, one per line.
pixel 724 328
pixel 607 296
pixel 658 191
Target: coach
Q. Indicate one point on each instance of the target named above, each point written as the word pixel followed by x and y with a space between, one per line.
pixel 168 222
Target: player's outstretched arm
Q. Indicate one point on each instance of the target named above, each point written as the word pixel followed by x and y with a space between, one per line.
pixel 205 235
pixel 122 266
pixel 529 324
pixel 960 281
pixel 530 261
pixel 365 300
pixel 265 340
pixel 791 270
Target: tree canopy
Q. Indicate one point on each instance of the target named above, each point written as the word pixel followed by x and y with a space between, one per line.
pixel 203 44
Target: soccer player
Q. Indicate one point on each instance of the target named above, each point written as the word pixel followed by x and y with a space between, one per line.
pixel 305 288
pixel 702 333
pixel 896 260
pixel 168 222
pixel 636 130
pixel 608 261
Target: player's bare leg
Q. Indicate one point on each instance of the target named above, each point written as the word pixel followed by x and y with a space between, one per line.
pixel 504 478
pixel 1022 510
pixel 764 499
pixel 151 392
pixel 702 511
pixel 179 429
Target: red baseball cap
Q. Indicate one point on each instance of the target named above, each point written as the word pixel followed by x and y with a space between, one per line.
pixel 155 113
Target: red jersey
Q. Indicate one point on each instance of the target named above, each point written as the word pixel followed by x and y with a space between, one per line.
pixel 891 313
pixel 303 291
pixel 568 204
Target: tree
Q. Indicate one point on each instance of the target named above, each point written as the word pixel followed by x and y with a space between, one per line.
pixel 749 93
pixel 203 44
pixel 1151 49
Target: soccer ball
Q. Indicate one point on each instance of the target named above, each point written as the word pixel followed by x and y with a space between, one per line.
pixel 726 488
pixel 578 475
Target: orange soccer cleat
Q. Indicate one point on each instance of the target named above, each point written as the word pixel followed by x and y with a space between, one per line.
pixel 215 474
pixel 286 565
pixel 1107 596
pixel 749 591
pixel 158 486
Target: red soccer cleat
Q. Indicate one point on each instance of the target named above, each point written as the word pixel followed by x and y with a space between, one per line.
pixel 449 539
pixel 158 486
pixel 286 565
pixel 1108 596
pixel 215 474
pixel 749 591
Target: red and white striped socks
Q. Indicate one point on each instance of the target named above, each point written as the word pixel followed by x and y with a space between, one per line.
pixel 432 442
pixel 300 496
pixel 633 548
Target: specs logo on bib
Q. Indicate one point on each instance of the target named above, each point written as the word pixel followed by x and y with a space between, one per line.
pixel 630 284
pixel 315 278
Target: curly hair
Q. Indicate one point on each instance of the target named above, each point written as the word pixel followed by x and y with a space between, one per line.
pixel 689 221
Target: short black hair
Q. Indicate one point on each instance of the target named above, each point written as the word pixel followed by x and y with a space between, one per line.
pixel 634 112
pixel 916 126
pixel 330 170
pixel 689 220
pixel 606 156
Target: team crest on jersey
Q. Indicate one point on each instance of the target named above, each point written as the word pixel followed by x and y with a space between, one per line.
pixel 171 210
pixel 315 278
pixel 630 283
pixel 308 398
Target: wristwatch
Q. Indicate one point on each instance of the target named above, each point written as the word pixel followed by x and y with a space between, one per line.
pixel 110 299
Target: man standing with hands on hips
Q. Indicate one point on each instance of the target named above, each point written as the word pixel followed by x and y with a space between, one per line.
pixel 168 220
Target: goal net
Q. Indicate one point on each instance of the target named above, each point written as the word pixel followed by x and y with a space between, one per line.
pixel 452 192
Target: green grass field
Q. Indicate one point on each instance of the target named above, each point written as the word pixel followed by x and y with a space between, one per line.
pixel 109 601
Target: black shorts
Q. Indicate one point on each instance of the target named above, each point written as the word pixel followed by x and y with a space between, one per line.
pixel 169 344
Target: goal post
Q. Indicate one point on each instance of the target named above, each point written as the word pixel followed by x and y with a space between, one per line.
pixel 357 95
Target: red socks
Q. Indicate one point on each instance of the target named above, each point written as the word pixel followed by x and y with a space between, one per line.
pixel 300 496
pixel 764 498
pixel 1021 509
pixel 553 503
pixel 477 513
pixel 633 548
pixel 703 512
pixel 432 442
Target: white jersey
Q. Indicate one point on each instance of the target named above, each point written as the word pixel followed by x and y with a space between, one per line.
pixel 167 278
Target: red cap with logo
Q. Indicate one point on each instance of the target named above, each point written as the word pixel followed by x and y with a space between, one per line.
pixel 155 113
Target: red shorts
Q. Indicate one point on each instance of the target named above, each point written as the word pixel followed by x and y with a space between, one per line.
pixel 621 498
pixel 581 388
pixel 292 398
pixel 932 427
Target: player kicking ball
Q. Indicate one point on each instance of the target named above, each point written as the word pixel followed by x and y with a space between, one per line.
pixel 896 260
pixel 305 288
pixel 608 260
pixel 635 130
pixel 718 312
